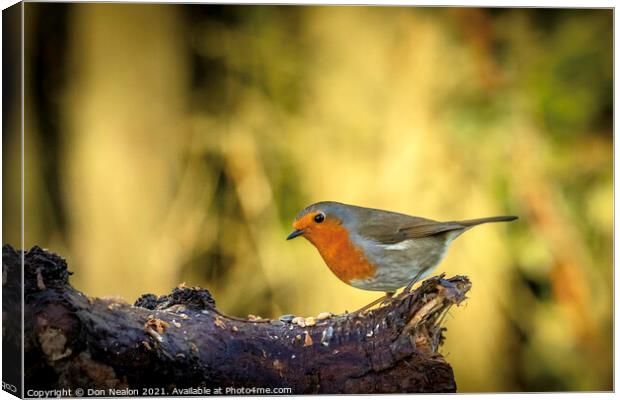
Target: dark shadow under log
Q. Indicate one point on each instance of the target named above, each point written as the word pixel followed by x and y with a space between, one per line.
pixel 181 344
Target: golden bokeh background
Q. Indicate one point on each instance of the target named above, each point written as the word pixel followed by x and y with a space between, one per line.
pixel 176 143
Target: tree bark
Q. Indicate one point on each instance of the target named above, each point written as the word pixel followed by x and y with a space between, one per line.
pixel 181 344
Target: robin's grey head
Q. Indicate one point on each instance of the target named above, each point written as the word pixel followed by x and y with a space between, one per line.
pixel 319 213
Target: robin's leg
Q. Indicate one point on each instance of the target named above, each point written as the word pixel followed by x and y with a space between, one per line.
pixel 414 280
pixel 383 299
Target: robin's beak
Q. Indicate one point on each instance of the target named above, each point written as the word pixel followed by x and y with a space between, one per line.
pixel 295 233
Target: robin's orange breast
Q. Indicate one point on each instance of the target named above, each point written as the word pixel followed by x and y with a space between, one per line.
pixel 346 260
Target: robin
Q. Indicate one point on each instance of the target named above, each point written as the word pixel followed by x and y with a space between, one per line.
pixel 375 249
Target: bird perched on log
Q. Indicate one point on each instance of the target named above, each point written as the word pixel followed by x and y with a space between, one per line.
pixel 378 250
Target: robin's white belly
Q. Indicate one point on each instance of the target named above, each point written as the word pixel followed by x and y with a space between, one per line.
pixel 399 263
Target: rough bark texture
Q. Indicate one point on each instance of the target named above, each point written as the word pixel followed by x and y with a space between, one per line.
pixel 182 341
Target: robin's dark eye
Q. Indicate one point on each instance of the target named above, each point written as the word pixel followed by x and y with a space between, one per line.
pixel 319 218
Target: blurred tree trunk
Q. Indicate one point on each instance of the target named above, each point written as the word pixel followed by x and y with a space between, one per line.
pixel 125 110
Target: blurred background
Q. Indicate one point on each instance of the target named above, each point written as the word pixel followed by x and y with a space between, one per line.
pixel 176 143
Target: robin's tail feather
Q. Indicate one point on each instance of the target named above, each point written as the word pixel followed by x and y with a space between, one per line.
pixel 478 221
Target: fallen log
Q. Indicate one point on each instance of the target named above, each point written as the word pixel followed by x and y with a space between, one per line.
pixel 181 344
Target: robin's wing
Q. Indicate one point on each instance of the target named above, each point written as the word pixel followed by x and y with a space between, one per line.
pixel 389 228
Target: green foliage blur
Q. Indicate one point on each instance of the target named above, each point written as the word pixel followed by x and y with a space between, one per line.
pixel 176 143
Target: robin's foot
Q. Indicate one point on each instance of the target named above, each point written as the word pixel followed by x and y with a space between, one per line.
pixel 381 300
pixel 385 302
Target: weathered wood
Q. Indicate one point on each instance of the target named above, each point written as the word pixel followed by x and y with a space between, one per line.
pixel 182 341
